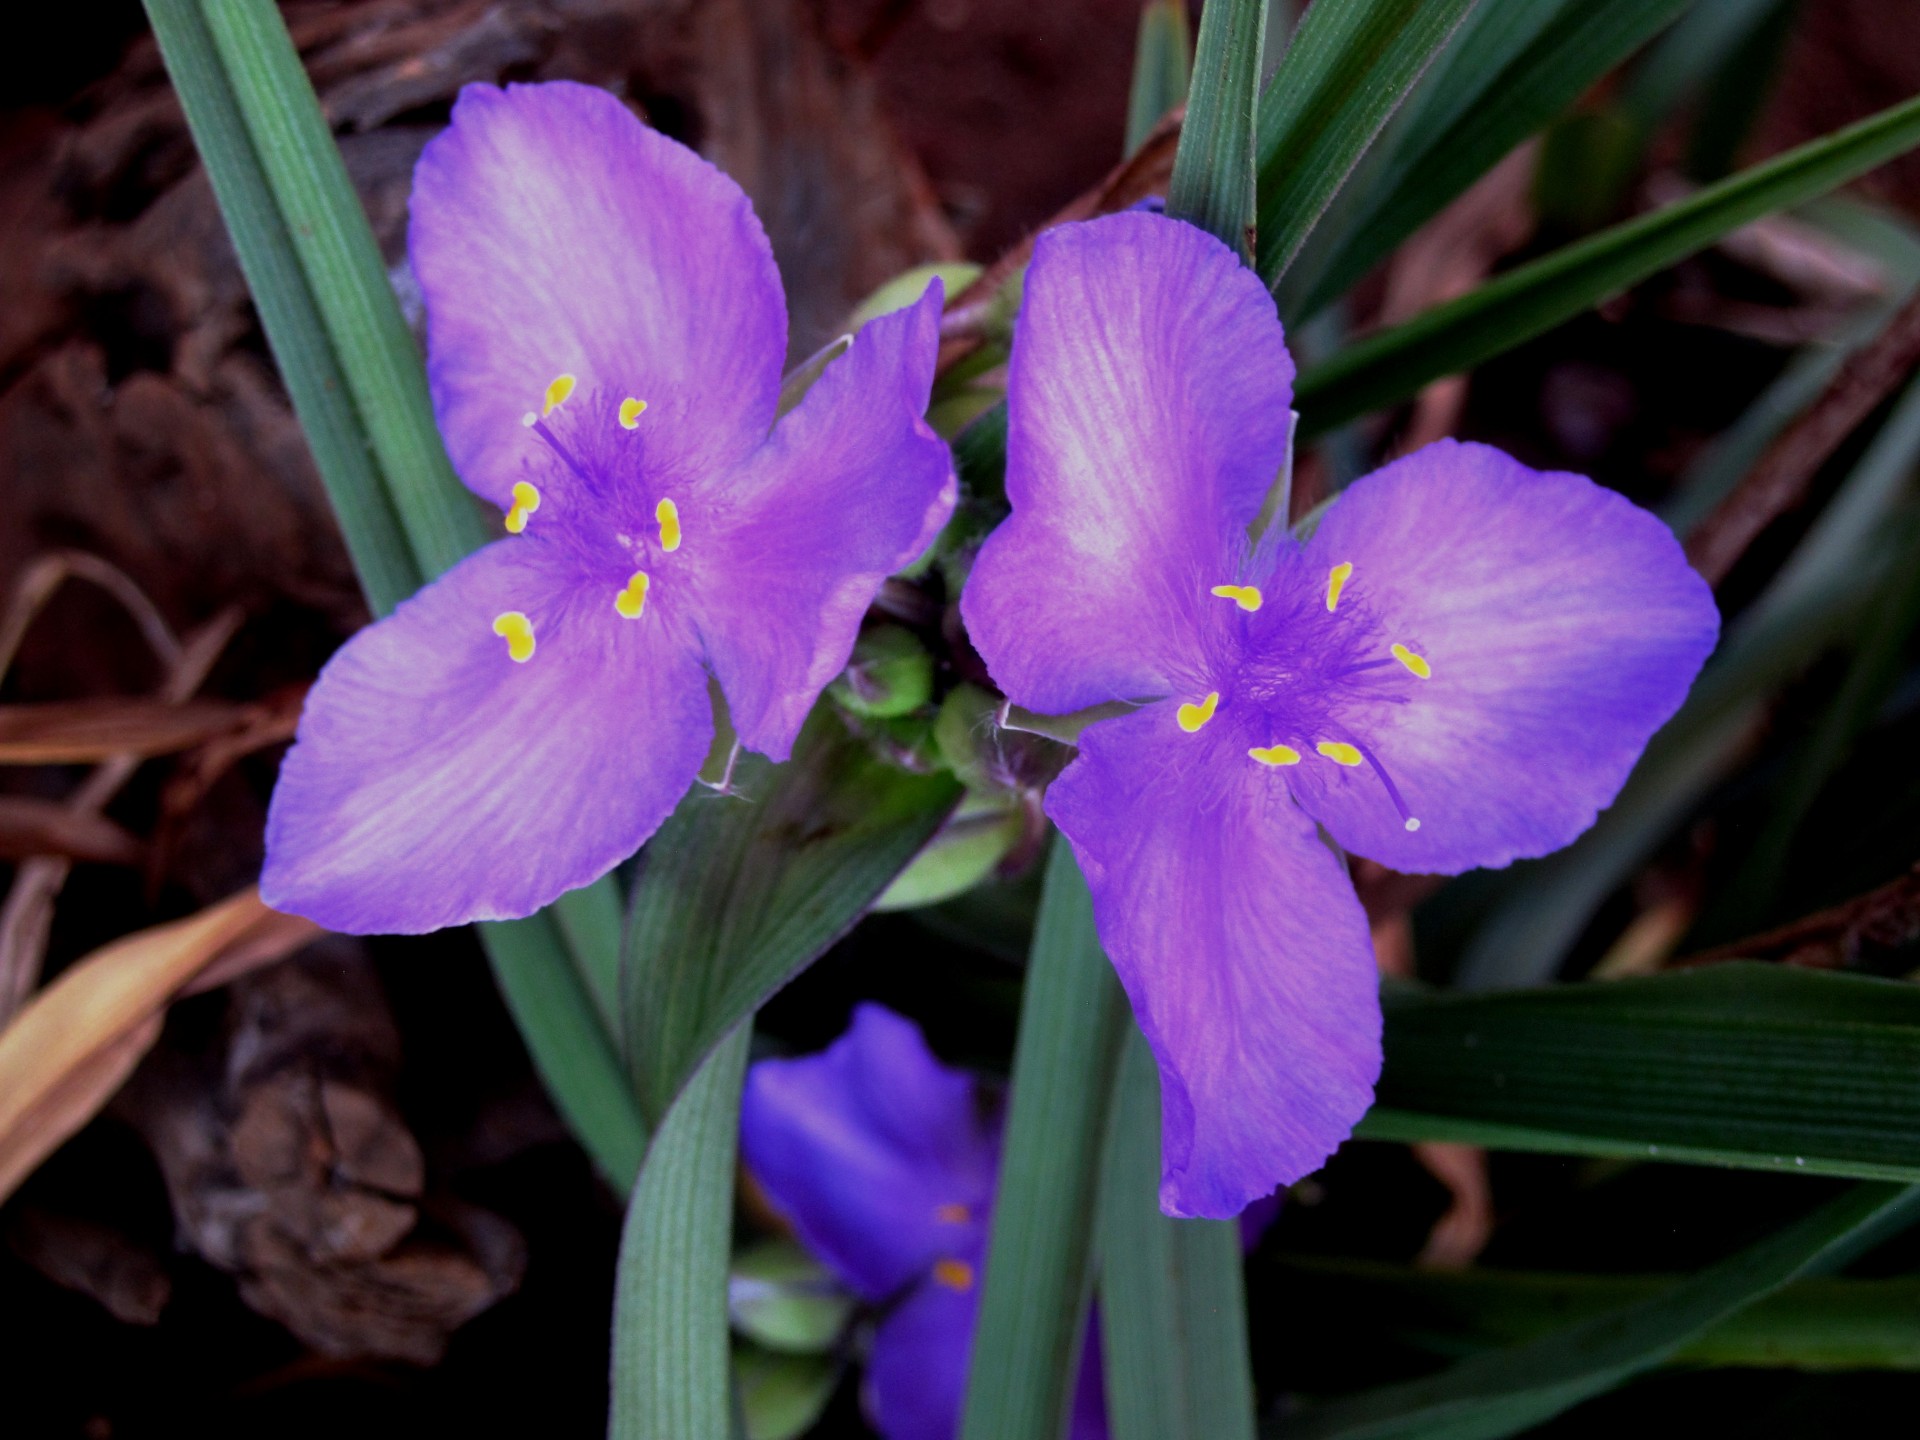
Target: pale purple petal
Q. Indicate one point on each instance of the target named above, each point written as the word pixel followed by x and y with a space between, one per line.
pixel 552 232
pixel 874 1151
pixel 849 488
pixel 1562 625
pixel 1147 416
pixel 1239 940
pixel 916 1379
pixel 436 780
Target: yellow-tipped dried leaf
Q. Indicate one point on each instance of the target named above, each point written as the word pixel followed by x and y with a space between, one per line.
pixel 75 1042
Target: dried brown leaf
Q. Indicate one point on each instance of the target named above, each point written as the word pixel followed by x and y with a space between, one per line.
pixel 30 826
pixel 78 732
pixel 75 1042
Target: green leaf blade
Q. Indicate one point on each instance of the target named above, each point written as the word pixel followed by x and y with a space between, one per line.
pixel 1172 1301
pixel 1513 66
pixel 1348 69
pixel 1389 366
pixel 737 893
pixel 349 284
pixel 1503 1392
pixel 1741 1064
pixel 1040 1262
pixel 1213 171
pixel 382 557
pixel 671 1373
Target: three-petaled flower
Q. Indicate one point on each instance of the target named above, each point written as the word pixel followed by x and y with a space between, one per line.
pixel 1458 669
pixel 884 1163
pixel 606 334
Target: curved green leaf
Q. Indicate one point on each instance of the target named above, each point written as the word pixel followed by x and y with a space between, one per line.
pixel 1346 72
pixel 1212 183
pixel 738 892
pixel 1762 1067
pixel 1506 1391
pixel 1040 1261
pixel 1391 365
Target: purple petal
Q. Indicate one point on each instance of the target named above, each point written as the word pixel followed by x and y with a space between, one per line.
pixel 850 487
pixel 1562 625
pixel 1242 947
pixel 554 233
pixel 436 780
pixel 916 1377
pixel 874 1150
pixel 1147 416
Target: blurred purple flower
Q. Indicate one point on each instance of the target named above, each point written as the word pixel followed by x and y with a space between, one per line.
pixel 882 1160
pixel 1458 669
pixel 606 332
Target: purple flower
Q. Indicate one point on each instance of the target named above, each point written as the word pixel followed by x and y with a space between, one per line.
pixel 1458 669
pixel 882 1160
pixel 606 332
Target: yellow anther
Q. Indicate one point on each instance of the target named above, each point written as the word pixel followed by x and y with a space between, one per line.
pixel 517 631
pixel 1247 597
pixel 1339 752
pixel 953 1214
pixel 632 600
pixel 558 389
pixel 1275 754
pixel 1192 717
pixel 668 514
pixel 630 412
pixel 1416 663
pixel 526 500
pixel 954 1274
pixel 1336 582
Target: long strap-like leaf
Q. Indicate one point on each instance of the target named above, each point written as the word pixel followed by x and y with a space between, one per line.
pixel 1346 72
pixel 670 1377
pixel 1504 1392
pixel 1040 1262
pixel 1172 1305
pixel 1212 183
pixel 349 282
pixel 1759 1066
pixel 401 526
pixel 1388 367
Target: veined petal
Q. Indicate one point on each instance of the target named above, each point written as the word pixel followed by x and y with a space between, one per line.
pixel 1147 416
pixel 849 488
pixel 874 1150
pixel 1561 625
pixel 1239 940
pixel 555 234
pixel 437 780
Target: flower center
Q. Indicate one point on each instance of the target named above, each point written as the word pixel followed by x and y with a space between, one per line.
pixel 594 486
pixel 1300 661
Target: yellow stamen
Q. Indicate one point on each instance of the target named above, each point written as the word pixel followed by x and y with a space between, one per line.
pixel 1275 755
pixel 630 412
pixel 1416 663
pixel 526 500
pixel 514 627
pixel 632 600
pixel 954 1274
pixel 1192 717
pixel 1336 582
pixel 953 1214
pixel 1247 597
pixel 1339 752
pixel 668 514
pixel 558 389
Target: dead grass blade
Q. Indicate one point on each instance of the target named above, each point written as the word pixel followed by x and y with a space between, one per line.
pixel 28 912
pixel 76 1042
pixel 84 732
pixel 30 827
pixel 1779 481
